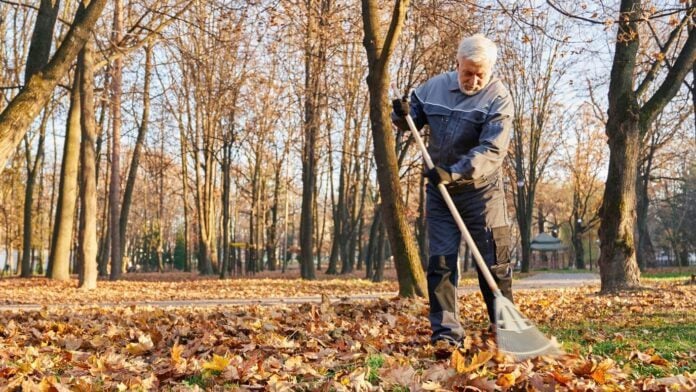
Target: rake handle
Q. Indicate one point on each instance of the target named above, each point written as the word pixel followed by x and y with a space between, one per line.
pixel 455 213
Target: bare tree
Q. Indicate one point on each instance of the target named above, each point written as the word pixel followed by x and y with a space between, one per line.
pixel 38 57
pixel 87 243
pixel 67 196
pixel 379 47
pixel 116 72
pixel 532 68
pixel 21 111
pixel 628 120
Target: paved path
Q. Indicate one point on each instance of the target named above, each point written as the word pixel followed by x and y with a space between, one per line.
pixel 538 281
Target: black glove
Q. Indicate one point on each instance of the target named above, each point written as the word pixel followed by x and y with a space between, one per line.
pixel 440 174
pixel 401 106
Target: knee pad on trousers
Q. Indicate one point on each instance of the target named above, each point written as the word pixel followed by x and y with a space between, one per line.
pixel 443 276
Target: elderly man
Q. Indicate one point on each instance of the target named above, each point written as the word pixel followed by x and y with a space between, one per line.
pixel 469 113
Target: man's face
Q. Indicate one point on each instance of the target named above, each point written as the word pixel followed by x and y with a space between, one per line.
pixel 472 76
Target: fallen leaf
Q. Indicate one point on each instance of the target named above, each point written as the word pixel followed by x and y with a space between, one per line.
pixel 218 363
pixel 459 362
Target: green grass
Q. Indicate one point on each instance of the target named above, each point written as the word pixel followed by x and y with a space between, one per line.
pixel 196 379
pixel 685 274
pixel 374 362
pixel 665 334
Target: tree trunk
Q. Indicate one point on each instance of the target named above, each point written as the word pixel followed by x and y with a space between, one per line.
pixel 226 181
pixel 37 58
pixel 63 228
pixel 115 180
pixel 577 244
pixel 372 243
pixel 88 185
pixel 272 244
pixel 315 62
pixel 380 258
pixel 33 169
pixel 184 195
pixel 21 111
pixel 408 267
pixel 617 262
pixel 627 123
pixel 137 151
pixel 646 253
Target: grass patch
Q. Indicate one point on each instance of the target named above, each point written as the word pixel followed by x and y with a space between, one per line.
pixel 196 379
pixel 374 362
pixel 658 276
pixel 666 334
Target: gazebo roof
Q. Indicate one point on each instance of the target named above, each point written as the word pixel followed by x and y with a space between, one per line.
pixel 545 242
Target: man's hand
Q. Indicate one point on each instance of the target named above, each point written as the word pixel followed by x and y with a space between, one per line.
pixel 401 107
pixel 440 174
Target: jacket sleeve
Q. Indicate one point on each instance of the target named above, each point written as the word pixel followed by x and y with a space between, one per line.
pixel 487 158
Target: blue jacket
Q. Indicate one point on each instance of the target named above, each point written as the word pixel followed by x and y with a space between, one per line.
pixel 468 134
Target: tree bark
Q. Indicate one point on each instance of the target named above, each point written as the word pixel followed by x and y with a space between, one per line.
pixel 88 186
pixel 627 122
pixel 137 151
pixel 408 267
pixel 67 194
pixel 33 169
pixel 315 60
pixel 21 111
pixel 115 180
pixel 37 58
pixel 226 185
pixel 646 254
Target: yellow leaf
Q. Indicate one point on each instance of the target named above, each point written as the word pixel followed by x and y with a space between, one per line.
pixel 600 373
pixel 177 349
pixel 460 364
pixel 218 363
pixel 506 380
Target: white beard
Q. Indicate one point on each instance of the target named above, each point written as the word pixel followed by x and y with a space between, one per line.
pixel 468 92
pixel 473 91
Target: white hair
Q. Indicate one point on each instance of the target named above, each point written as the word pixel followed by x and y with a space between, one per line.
pixel 478 49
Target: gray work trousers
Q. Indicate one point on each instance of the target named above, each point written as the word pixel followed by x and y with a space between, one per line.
pixel 483 210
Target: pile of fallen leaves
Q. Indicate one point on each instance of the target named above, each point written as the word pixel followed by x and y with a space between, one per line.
pixel 377 345
pixel 180 287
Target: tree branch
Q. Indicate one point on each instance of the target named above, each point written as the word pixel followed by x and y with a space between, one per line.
pixel 395 26
pixel 670 86
pixel 650 77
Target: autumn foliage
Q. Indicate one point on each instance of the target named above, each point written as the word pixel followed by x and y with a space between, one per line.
pixel 337 344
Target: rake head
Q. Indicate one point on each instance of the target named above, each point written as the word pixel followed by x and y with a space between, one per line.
pixel 517 336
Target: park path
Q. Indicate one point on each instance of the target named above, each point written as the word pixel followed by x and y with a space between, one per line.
pixel 545 280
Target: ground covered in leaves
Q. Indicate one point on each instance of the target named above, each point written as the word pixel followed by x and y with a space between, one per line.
pixel 183 286
pixel 638 340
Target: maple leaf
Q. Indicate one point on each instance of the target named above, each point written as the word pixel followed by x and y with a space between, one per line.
pixel 479 359
pixel 217 364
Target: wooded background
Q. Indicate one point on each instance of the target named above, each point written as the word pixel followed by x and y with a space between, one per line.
pixel 230 137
